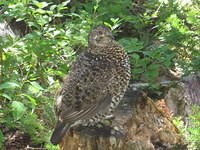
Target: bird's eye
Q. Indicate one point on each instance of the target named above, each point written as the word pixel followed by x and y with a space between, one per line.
pixel 100 32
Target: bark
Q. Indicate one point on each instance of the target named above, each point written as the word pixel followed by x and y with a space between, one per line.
pixel 5 30
pixel 183 96
pixel 139 124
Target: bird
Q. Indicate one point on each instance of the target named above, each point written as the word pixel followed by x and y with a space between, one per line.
pixel 95 84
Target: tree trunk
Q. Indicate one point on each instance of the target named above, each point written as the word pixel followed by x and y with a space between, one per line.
pixel 139 124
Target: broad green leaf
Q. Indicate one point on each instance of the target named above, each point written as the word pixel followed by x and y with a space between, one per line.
pixel 9 85
pixel 41 4
pixel 6 96
pixel 36 85
pixel 52 7
pixel 33 101
pixel 18 109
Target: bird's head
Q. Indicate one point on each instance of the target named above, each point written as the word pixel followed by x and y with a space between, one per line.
pixel 100 36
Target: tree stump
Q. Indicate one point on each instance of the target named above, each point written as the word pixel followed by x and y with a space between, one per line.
pixel 139 124
pixel 181 97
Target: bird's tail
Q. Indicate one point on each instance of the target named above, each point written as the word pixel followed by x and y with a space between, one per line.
pixel 59 132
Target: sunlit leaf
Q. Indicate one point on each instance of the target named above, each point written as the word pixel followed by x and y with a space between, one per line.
pixel 40 4
pixel 131 44
pixel 33 101
pixel 9 85
pixel 36 85
pixel 18 109
pixel 6 96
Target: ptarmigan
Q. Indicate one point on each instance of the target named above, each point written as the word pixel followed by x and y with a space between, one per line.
pixel 95 85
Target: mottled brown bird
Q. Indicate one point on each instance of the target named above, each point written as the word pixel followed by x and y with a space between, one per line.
pixel 95 85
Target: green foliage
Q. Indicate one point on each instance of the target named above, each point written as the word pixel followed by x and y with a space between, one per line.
pixel 1 139
pixel 180 124
pixel 147 61
pixel 156 34
pixel 8 85
pixel 194 129
pixel 18 109
pixel 192 132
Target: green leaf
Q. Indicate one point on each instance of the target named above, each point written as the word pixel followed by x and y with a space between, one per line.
pixel 1 139
pixel 135 58
pixel 131 44
pixel 154 67
pixel 41 4
pixel 36 85
pixel 9 85
pixel 33 101
pixel 65 3
pixel 6 96
pixel 18 109
pixel 138 70
pixel 52 7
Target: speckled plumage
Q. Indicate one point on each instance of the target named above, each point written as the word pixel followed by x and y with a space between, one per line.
pixel 95 85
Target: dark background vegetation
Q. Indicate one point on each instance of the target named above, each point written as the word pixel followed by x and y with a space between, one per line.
pixel 159 35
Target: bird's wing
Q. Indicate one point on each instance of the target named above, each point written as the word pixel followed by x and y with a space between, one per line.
pixel 86 89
